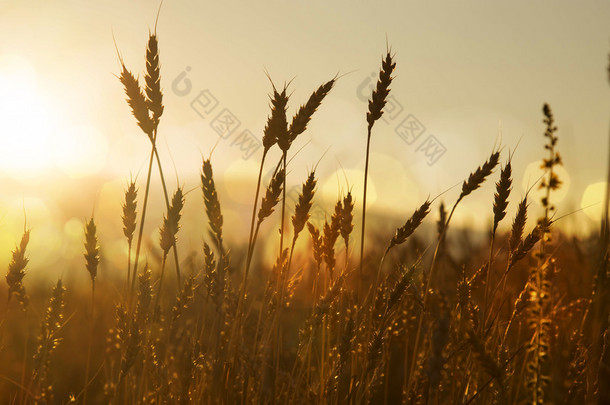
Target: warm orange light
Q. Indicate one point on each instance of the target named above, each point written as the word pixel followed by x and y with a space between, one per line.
pixel 32 137
pixel 26 125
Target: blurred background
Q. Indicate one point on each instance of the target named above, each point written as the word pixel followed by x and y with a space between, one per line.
pixel 468 79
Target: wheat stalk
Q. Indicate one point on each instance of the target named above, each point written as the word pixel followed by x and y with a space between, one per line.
pixel 154 102
pixel 283 139
pixel 47 341
pixel 92 260
pixel 347 225
pixel 129 218
pixel 154 95
pixel 268 203
pixel 137 101
pixel 303 206
pixel 403 233
pixel 16 272
pixel 330 234
pixel 318 246
pixel 503 188
pixel 516 234
pixel 167 234
pixel 305 112
pixel 442 219
pixel 212 205
pixel 301 211
pixel 171 222
pixel 147 108
pixel 410 226
pixel 376 104
pixel 92 250
pixel 274 128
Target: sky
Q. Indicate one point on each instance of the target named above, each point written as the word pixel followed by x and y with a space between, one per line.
pixel 470 77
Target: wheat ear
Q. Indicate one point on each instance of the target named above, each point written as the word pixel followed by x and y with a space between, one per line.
pixel 301 211
pixel 129 218
pixel 304 114
pixel 16 272
pixel 347 225
pixel 212 205
pixel 167 234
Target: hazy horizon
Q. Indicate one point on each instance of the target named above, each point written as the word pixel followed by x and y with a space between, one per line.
pixel 468 78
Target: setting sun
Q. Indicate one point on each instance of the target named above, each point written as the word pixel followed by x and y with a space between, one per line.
pixel 34 139
pixel 26 124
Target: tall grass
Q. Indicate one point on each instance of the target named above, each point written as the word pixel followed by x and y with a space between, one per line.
pixel 513 319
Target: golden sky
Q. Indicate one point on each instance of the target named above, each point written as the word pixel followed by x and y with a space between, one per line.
pixel 470 76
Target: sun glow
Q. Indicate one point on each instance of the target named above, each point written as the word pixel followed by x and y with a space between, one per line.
pixel 26 125
pixel 593 199
pixel 32 137
pixel 531 181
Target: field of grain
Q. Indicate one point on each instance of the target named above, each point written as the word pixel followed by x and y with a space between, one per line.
pixel 421 313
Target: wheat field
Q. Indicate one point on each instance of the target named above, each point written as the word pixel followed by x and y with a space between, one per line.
pixel 417 314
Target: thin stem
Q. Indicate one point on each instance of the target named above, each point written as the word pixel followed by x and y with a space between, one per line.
pixel 485 296
pixel 280 286
pixel 283 204
pixel 502 282
pixel 164 186
pixel 253 237
pixel 346 256
pixel 251 241
pixel 258 325
pixel 379 269
pixel 87 367
pixel 255 206
pixel 366 172
pixel 294 241
pixel 128 264
pixel 141 230
pixel 25 356
pixel 163 261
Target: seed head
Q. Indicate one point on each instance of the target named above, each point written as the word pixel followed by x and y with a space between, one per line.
pixel 129 211
pixel 92 258
pixel 303 116
pixel 16 272
pixel 303 205
pixel 380 94
pixel 154 96
pixel 276 130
